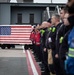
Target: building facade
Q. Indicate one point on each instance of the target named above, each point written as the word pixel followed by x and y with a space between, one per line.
pixel 35 1
pixel 26 13
pixel 24 1
pixel 50 1
pixel 5 1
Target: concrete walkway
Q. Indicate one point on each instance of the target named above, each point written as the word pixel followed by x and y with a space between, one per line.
pixel 13 62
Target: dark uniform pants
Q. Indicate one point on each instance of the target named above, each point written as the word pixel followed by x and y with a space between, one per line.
pixel 56 63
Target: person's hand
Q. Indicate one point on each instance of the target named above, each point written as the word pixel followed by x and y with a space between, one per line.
pixel 44 49
pixel 56 56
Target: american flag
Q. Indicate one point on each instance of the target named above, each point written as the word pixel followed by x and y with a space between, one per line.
pixel 12 34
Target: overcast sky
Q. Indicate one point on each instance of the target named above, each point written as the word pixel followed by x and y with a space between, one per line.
pixel 46 1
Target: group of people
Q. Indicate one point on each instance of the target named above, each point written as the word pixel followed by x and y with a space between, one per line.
pixel 53 42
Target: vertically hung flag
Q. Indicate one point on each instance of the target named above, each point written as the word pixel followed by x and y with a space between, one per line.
pixel 15 34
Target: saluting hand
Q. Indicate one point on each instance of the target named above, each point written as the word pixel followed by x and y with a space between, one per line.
pixel 44 49
pixel 56 56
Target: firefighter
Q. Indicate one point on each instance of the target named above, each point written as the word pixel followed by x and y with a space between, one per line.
pixel 45 26
pixel 59 37
pixel 64 45
pixel 47 57
pixel 55 20
pixel 70 39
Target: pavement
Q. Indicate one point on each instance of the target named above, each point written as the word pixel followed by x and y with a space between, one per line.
pixel 17 61
pixel 13 62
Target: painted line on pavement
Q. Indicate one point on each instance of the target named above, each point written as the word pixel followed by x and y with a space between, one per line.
pixel 35 63
pixel 28 64
pixel 32 64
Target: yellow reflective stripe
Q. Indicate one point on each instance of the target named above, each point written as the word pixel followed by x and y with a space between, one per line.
pixel 70 55
pixel 49 29
pixel 71 52
pixel 53 30
pixel 61 39
pixel 71 49
pixel 42 31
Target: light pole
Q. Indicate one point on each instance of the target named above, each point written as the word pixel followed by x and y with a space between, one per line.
pixel 51 1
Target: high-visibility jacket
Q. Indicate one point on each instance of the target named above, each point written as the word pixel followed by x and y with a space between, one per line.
pixel 71 43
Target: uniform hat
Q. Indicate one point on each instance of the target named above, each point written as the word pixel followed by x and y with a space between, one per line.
pixel 49 20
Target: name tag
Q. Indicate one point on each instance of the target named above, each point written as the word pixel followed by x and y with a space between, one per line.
pixel 49 39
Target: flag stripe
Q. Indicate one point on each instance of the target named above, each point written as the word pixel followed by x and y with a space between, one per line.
pixel 24 26
pixel 19 34
pixel 15 41
pixel 14 38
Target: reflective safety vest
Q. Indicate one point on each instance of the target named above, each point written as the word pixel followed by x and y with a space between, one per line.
pixel 71 43
pixel 53 29
pixel 61 39
pixel 50 28
pixel 42 31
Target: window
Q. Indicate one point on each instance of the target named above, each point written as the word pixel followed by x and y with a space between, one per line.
pixel 27 0
pixel 31 18
pixel 19 18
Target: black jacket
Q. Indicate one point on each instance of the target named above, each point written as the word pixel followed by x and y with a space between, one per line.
pixel 43 38
pixel 60 33
pixel 64 46
pixel 52 35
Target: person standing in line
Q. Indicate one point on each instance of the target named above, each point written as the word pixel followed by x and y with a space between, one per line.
pixel 47 49
pixel 55 20
pixel 32 36
pixel 59 37
pixel 45 26
pixel 70 39
pixel 37 43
